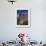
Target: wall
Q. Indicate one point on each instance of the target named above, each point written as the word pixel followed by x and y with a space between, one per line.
pixel 8 28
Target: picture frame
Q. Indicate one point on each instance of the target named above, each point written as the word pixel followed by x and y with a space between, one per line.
pixel 23 17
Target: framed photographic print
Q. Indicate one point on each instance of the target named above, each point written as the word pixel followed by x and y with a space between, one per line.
pixel 23 17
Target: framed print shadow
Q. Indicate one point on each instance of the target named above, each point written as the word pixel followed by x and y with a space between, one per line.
pixel 23 17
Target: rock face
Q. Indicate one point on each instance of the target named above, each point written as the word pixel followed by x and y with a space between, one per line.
pixel 22 20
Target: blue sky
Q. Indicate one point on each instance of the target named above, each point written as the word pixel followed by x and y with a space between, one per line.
pixel 22 11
